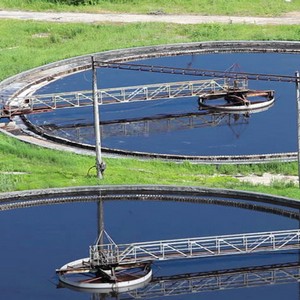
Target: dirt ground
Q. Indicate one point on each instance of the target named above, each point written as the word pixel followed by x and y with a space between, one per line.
pixel 268 179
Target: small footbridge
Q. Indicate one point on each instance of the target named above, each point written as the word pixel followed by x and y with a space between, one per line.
pixel 47 102
pixel 135 253
pixel 229 84
pixel 112 267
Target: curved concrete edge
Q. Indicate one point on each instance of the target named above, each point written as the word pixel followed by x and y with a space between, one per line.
pixel 26 83
pixel 142 190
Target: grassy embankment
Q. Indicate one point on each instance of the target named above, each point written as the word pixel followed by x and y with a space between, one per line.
pixel 28 44
pixel 24 166
pixel 206 7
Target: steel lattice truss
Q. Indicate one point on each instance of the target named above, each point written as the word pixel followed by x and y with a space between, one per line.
pixel 29 103
pixel 44 102
pixel 194 247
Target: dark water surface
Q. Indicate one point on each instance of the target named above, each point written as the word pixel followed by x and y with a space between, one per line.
pixel 235 135
pixel 36 241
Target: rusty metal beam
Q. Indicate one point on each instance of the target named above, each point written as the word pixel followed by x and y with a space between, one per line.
pixel 196 72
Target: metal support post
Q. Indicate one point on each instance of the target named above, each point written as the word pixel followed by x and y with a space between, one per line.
pixel 100 223
pixel 100 166
pixel 298 119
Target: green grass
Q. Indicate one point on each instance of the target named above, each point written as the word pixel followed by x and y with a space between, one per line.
pixel 205 7
pixel 47 42
pixel 24 166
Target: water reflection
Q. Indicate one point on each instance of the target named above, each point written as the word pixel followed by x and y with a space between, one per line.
pixel 146 126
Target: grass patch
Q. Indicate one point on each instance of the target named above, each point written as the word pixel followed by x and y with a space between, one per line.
pixel 24 166
pixel 204 7
pixel 48 42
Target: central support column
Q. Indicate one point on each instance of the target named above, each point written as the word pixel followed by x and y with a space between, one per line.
pixel 100 222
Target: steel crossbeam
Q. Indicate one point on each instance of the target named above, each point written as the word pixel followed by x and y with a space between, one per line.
pixel 196 72
pixel 31 103
pixel 195 247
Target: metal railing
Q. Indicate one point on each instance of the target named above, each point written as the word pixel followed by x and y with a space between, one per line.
pixel 195 247
pixel 45 102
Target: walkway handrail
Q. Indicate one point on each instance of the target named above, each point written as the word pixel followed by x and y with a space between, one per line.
pixel 45 102
pixel 245 243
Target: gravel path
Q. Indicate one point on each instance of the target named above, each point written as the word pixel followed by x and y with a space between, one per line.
pixel 287 19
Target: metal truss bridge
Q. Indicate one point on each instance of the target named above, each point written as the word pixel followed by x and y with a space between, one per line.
pixel 48 102
pixel 222 81
pixel 112 254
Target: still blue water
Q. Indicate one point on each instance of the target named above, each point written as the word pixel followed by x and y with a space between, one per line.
pixel 246 135
pixel 36 241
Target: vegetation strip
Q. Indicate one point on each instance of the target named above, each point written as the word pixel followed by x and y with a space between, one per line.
pixel 160 7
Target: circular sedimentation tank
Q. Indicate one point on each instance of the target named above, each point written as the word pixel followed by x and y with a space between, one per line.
pixel 28 82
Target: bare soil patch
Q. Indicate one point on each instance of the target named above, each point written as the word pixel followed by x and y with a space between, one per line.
pixel 268 179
